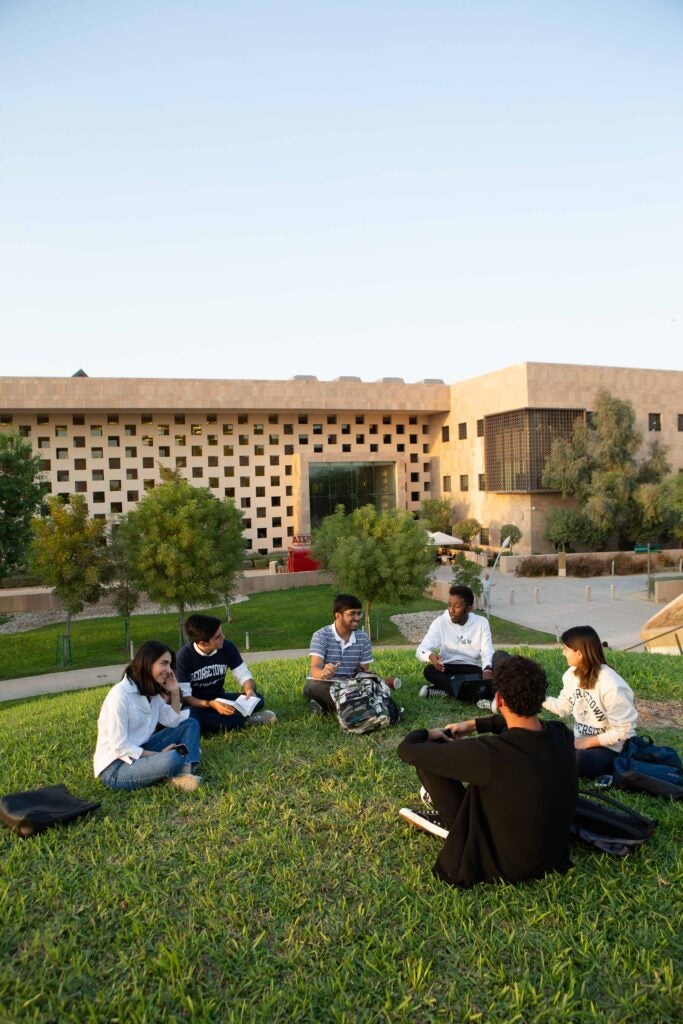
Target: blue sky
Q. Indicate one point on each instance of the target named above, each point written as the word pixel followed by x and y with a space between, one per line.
pixel 209 188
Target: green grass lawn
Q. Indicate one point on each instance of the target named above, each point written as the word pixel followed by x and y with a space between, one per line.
pixel 287 889
pixel 279 620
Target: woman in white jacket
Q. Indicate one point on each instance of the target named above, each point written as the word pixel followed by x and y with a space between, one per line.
pixel 130 754
pixel 598 698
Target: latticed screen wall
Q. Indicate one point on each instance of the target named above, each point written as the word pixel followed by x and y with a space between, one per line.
pixel 518 443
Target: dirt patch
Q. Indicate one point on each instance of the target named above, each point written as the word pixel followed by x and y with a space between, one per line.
pixel 664 714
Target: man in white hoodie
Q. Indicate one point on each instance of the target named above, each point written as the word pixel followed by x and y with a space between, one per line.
pixel 458 652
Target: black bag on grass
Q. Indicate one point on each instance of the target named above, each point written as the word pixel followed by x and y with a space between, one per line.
pixel 36 809
pixel 646 767
pixel 644 782
pixel 608 825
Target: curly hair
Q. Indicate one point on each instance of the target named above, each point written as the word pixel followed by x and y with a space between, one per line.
pixel 466 593
pixel 521 683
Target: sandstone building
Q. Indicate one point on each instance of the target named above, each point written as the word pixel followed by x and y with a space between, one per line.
pixel 288 451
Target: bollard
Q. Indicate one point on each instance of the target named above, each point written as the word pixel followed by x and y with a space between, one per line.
pixel 512 597
pixel 132 650
pixel 613 567
pixel 588 594
pixel 246 641
pixel 612 592
pixel 537 594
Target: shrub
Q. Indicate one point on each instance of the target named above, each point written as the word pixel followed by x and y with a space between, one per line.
pixel 537 567
pixel 585 565
pixel 19 580
pixel 627 565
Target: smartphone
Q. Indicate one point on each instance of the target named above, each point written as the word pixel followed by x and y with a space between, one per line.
pixel 182 749
pixel 603 781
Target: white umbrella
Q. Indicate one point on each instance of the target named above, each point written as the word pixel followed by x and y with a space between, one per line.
pixel 444 540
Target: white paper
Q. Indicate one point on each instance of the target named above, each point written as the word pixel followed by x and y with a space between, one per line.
pixel 243 704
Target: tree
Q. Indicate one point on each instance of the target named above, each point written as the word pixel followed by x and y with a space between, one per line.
pixel 124 591
pixel 567 527
pixel 511 531
pixel 21 493
pixel 467 529
pixel 673 486
pixel 68 553
pixel 436 515
pixel 378 556
pixel 661 508
pixel 184 545
pixel 467 574
pixel 597 467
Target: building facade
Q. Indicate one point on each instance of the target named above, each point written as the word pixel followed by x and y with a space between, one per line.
pixel 287 452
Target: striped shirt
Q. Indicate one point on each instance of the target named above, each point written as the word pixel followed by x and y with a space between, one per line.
pixel 350 654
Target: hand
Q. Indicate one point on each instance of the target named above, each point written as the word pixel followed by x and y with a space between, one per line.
pixel 170 682
pixel 436 661
pixel 222 709
pixel 329 670
pixel 438 734
pixel 585 742
pixel 488 673
pixel 461 728
pixel 249 690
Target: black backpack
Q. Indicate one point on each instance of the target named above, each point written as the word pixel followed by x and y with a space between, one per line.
pixel 607 825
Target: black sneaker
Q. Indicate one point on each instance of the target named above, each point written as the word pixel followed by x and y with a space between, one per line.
pixel 315 707
pixel 427 821
pixel 432 691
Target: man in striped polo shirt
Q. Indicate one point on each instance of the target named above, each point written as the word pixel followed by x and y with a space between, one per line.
pixel 337 652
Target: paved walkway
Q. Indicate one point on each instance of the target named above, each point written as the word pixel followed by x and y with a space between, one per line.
pixel 617 606
pixel 548 603
pixel 86 678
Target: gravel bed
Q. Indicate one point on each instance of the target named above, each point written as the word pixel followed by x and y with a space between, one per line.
pixel 20 622
pixel 414 625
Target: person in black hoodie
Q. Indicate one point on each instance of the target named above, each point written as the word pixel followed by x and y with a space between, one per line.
pixel 512 821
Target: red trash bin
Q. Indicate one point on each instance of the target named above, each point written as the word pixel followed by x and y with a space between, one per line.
pixel 299 559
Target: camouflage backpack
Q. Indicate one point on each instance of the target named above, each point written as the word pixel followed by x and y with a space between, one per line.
pixel 363 703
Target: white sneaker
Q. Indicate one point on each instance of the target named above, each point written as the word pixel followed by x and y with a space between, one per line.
pixel 188 783
pixel 485 705
pixel 262 718
pixel 425 820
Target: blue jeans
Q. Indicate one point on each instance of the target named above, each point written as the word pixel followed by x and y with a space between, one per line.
pixel 145 771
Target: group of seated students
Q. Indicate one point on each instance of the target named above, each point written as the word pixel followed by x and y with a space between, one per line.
pixel 502 801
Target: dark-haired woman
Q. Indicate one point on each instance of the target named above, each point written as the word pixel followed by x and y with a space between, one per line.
pixel 129 753
pixel 600 701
